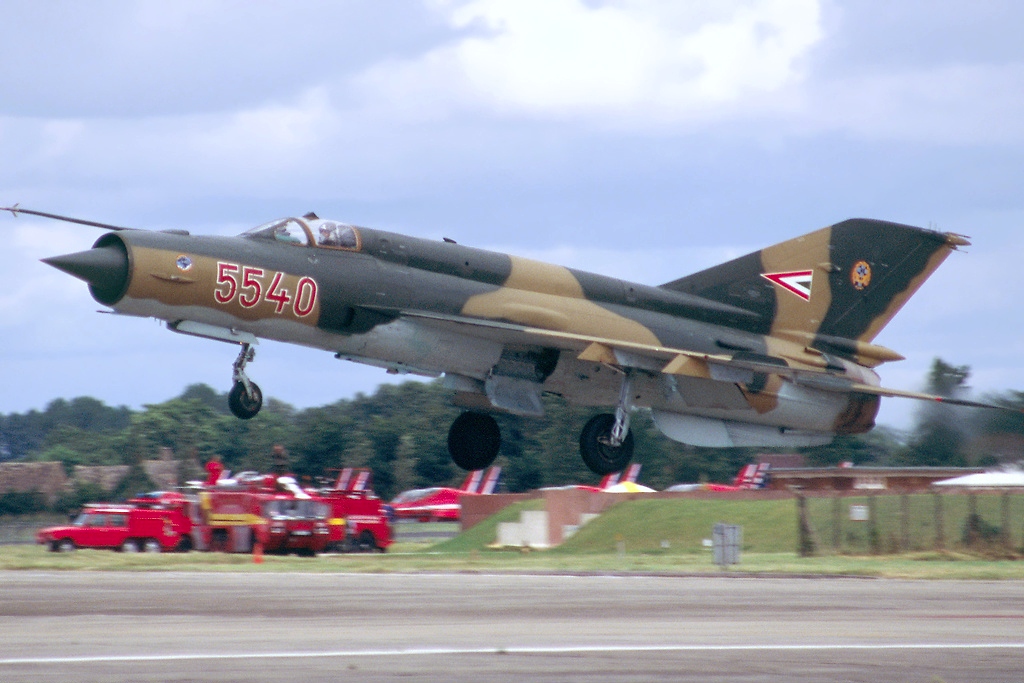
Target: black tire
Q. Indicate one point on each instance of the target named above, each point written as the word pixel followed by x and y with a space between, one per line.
pixel 600 457
pixel 130 546
pixel 219 542
pixel 151 545
pixel 64 545
pixel 474 440
pixel 243 407
pixel 367 543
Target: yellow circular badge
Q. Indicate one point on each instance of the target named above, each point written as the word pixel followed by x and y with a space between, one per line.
pixel 860 274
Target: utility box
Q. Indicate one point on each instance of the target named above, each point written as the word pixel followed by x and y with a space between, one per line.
pixel 726 541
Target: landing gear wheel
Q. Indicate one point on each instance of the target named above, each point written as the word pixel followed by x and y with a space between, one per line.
pixel 598 454
pixel 244 407
pixel 474 440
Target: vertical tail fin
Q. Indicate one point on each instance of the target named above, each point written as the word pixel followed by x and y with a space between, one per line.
pixel 490 482
pixel 343 478
pixel 744 475
pixel 353 479
pixel 753 476
pixel 481 481
pixel 361 482
pixel 472 481
pixel 835 288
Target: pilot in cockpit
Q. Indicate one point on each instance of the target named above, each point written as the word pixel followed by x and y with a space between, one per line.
pixel 329 235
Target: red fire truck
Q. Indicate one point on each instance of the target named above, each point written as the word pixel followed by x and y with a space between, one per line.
pixel 359 519
pixel 125 527
pixel 235 514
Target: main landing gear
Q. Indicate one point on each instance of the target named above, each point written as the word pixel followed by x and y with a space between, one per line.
pixel 598 447
pixel 245 398
pixel 606 443
pixel 474 440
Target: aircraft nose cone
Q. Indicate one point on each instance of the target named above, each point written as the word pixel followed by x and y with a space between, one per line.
pixel 104 268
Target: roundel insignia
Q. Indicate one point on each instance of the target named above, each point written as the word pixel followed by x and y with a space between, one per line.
pixel 860 274
pixel 183 263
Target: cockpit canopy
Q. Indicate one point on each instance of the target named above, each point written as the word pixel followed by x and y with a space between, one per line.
pixel 304 232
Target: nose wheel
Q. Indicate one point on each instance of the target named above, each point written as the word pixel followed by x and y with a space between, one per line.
pixel 245 398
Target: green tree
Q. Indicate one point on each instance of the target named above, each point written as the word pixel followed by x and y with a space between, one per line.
pixel 21 434
pixel 191 429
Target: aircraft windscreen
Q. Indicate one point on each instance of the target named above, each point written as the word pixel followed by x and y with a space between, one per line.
pixel 335 235
pixel 286 230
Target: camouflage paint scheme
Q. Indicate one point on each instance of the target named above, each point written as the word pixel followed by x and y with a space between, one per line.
pixel 771 349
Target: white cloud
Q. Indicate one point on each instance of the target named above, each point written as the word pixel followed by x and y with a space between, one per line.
pixel 632 61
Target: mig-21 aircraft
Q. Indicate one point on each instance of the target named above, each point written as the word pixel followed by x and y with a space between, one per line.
pixel 774 348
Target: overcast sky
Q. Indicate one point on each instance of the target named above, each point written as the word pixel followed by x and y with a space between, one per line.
pixel 643 139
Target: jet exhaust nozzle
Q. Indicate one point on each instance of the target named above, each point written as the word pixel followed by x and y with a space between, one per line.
pixel 104 267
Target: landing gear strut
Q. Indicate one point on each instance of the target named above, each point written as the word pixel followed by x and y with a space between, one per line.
pixel 245 398
pixel 606 443
pixel 474 440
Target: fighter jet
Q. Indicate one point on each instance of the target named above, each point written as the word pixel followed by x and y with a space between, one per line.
pixel 774 348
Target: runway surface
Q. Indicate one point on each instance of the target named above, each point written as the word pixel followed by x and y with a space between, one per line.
pixel 327 627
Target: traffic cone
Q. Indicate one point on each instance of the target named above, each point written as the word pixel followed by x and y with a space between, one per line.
pixel 257 553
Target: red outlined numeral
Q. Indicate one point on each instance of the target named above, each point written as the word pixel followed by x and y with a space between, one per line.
pixel 249 281
pixel 306 290
pixel 250 289
pixel 227 274
pixel 278 296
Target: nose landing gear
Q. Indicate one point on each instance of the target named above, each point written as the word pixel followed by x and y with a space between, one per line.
pixel 245 398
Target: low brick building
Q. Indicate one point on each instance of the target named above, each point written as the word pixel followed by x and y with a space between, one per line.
pixel 863 479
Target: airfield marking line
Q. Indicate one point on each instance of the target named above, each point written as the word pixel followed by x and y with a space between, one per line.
pixel 567 649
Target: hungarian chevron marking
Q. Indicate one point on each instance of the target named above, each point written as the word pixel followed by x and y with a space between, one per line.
pixel 795 282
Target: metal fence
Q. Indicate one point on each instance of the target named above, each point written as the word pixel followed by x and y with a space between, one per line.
pixel 885 523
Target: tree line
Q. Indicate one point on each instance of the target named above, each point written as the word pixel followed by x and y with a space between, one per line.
pixel 400 433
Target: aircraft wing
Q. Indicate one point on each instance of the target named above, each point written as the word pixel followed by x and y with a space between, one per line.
pixel 626 354
pixel 612 352
pixel 672 361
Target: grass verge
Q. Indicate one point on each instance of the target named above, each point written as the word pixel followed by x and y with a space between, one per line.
pixel 412 558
